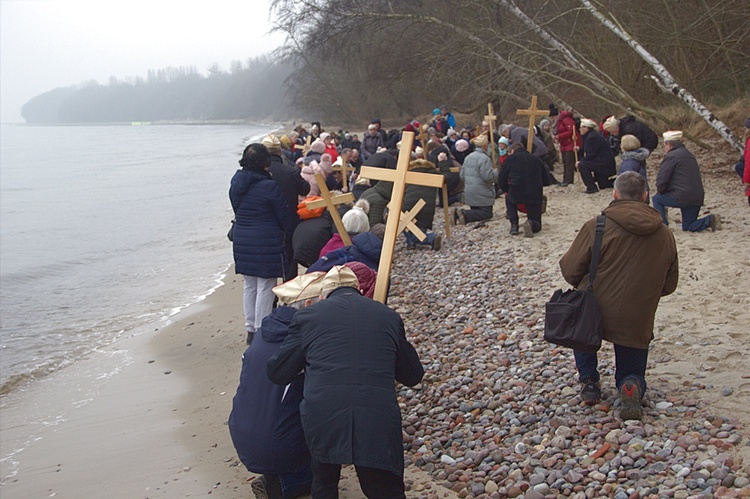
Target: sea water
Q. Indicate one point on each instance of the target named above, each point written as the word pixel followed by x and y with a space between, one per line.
pixel 104 229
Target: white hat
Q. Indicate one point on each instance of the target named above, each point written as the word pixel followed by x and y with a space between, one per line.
pixel 588 123
pixel 610 124
pixel 672 135
pixel 300 288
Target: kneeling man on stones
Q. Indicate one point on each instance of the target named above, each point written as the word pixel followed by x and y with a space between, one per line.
pixel 352 349
pixel 522 178
pixel 637 266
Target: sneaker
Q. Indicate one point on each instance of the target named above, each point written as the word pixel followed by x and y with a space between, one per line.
pixel 527 230
pixel 630 395
pixel 591 393
pixel 593 190
pixel 259 488
pixel 437 243
pixel 514 230
pixel 714 222
pixel 249 338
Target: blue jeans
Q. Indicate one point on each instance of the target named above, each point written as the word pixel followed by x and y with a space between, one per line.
pixel 690 220
pixel 630 365
pixel 412 240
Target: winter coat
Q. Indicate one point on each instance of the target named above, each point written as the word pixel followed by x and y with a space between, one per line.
pixel 261 224
pixel 478 177
pixel 596 153
pixel 353 349
pixel 413 193
pixel 566 130
pixel 519 135
pixel 265 423
pixel 365 248
pixel 680 176
pixel 310 236
pixel 522 178
pixel 634 161
pixel 631 126
pixel 370 145
pixel 637 266
pixel 291 183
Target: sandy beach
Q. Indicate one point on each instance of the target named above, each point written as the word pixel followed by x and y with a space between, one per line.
pixel 157 427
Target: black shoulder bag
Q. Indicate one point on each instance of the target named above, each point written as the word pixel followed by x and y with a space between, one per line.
pixel 573 318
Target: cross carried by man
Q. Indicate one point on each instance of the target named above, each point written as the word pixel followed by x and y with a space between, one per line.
pixel 345 169
pixel 400 177
pixel 331 202
pixel 304 148
pixel 532 113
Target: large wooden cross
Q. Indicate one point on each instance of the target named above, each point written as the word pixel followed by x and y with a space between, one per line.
pixel 400 177
pixel 532 113
pixel 331 203
pixel 344 169
pixel 304 148
pixel 491 120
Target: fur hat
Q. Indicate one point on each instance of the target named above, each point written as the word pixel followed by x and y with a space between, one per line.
pixel 610 124
pixel 672 135
pixel 356 220
pixel 318 146
pixel 462 145
pixel 480 140
pixel 300 288
pixel 339 276
pixel 629 143
pixel 589 123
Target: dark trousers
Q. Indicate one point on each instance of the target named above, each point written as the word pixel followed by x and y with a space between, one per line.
pixel 569 166
pixel 478 213
pixel 592 176
pixel 533 214
pixel 375 483
pixel 630 365
pixel 690 220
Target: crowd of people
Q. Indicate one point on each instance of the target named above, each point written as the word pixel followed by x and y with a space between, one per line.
pixel 317 383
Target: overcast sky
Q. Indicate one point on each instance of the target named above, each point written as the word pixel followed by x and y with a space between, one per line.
pixel 46 44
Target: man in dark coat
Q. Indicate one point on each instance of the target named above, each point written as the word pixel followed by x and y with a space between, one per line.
pixel 521 177
pixel 292 186
pixel 679 185
pixel 265 423
pixel 379 195
pixel 628 125
pixel 414 193
pixel 352 349
pixel 597 163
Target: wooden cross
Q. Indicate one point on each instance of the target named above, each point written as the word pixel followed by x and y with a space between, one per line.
pixel 532 113
pixel 304 148
pixel 491 120
pixel 422 136
pixel 400 177
pixel 330 202
pixel 344 170
pixel 406 222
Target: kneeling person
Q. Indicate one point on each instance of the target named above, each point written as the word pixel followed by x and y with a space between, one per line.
pixel 522 178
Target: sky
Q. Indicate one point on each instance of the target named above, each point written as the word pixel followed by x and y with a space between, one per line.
pixel 45 44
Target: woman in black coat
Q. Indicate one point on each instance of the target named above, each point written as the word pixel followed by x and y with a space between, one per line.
pixel 260 231
pixel 597 162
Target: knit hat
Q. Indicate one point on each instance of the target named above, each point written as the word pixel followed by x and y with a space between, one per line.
pixel 545 121
pixel 435 111
pixel 553 110
pixel 324 135
pixel 672 135
pixel 588 123
pixel 326 164
pixel 610 124
pixel 452 132
pixel 356 220
pixel 503 140
pixel 318 146
pixel 365 276
pixel 300 288
pixel 339 276
pixel 462 145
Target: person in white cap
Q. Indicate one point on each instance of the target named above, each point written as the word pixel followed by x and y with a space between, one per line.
pixel 679 185
pixel 352 349
pixel 265 423
pixel 597 163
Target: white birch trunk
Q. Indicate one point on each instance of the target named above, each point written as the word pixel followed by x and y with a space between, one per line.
pixel 666 80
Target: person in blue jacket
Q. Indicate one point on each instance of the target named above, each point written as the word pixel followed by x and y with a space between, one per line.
pixel 265 423
pixel 261 226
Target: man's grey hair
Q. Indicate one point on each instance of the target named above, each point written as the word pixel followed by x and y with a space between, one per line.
pixel 299 305
pixel 630 185
pixel 673 143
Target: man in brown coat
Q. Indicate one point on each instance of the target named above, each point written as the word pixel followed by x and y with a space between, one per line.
pixel 638 265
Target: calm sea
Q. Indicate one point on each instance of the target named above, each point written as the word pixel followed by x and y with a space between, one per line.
pixel 104 229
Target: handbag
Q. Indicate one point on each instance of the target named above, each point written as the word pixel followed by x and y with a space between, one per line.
pixel 573 318
pixel 230 234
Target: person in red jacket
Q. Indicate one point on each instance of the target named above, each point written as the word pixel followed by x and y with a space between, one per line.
pixel 569 138
pixel 742 167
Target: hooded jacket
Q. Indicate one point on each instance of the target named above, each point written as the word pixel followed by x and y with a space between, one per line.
pixel 597 154
pixel 638 265
pixel 261 224
pixel 522 178
pixel 680 177
pixel 265 423
pixel 365 248
pixel 566 130
pixel 635 161
pixel 478 177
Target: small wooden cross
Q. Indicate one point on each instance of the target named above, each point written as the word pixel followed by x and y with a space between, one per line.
pixel 491 120
pixel 532 113
pixel 304 148
pixel 422 139
pixel 400 177
pixel 330 202
pixel 344 170
pixel 407 220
